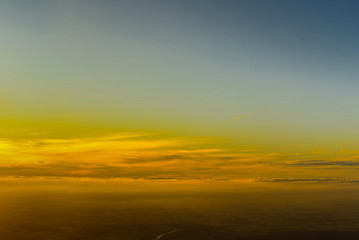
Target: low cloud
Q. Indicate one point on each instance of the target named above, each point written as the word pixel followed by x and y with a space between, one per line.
pixel 149 155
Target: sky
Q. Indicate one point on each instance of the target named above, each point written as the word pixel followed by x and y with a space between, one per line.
pixel 253 89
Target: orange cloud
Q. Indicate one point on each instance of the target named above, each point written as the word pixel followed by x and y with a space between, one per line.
pixel 151 155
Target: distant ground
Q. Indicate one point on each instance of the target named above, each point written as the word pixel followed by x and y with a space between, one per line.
pixel 71 209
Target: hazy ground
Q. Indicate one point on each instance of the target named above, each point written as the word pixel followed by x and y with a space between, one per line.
pixel 176 209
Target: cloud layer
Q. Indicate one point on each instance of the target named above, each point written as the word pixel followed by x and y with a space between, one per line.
pixel 148 155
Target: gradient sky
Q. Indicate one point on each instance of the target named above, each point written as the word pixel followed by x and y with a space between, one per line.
pixel 277 79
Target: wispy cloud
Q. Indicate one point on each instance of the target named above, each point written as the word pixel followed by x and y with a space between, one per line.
pixel 153 155
pixel 258 111
pixel 125 154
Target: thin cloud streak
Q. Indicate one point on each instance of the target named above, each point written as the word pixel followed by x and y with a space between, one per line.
pixel 259 111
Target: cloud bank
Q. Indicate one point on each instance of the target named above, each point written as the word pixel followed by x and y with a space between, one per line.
pixel 148 155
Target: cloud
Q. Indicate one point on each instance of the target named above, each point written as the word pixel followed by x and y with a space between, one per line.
pixel 324 163
pixel 258 111
pixel 116 155
pixel 317 180
pixel 150 155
